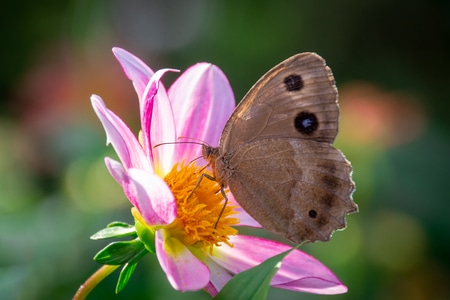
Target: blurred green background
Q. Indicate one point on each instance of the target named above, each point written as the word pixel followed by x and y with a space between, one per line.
pixel 390 60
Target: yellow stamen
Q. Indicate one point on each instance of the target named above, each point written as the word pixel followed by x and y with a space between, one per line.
pixel 199 209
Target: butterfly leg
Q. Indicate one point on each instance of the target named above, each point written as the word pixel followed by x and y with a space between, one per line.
pixel 222 191
pixel 198 183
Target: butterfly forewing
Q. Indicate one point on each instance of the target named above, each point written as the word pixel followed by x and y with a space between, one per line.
pixel 295 99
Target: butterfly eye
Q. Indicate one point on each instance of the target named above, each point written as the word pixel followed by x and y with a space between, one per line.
pixel 306 122
pixel 293 82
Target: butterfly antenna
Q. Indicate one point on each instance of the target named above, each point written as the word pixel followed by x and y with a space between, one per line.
pixel 178 142
pixel 194 141
pixel 199 141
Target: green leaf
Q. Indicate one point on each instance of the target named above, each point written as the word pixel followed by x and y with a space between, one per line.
pixel 253 283
pixel 114 232
pixel 128 269
pixel 118 253
pixel 119 224
pixel 125 275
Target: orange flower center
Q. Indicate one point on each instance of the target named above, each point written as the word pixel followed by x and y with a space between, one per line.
pixel 202 219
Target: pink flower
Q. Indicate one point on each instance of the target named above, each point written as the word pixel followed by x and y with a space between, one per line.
pixel 180 222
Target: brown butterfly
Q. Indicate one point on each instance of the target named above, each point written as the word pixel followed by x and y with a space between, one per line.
pixel 276 157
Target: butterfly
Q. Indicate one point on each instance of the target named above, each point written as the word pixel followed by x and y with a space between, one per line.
pixel 276 156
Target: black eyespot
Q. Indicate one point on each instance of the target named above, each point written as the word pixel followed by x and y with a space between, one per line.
pixel 312 214
pixel 306 122
pixel 293 82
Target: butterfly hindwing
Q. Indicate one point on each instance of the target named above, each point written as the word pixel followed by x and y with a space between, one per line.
pixel 301 189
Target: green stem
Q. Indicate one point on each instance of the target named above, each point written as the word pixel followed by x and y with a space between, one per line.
pixel 86 288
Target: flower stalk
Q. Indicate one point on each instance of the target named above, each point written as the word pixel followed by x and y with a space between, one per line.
pixel 86 288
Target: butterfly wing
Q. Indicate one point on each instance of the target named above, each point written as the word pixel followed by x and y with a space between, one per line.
pixel 275 152
pixel 299 188
pixel 295 99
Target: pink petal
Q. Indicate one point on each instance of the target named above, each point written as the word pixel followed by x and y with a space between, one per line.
pixel 120 175
pixel 184 271
pixel 116 170
pixel 202 102
pixel 153 197
pixel 158 124
pixel 299 271
pixel 220 276
pixel 120 136
pixel 137 71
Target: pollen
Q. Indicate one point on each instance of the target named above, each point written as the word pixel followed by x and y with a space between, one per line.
pixel 203 220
